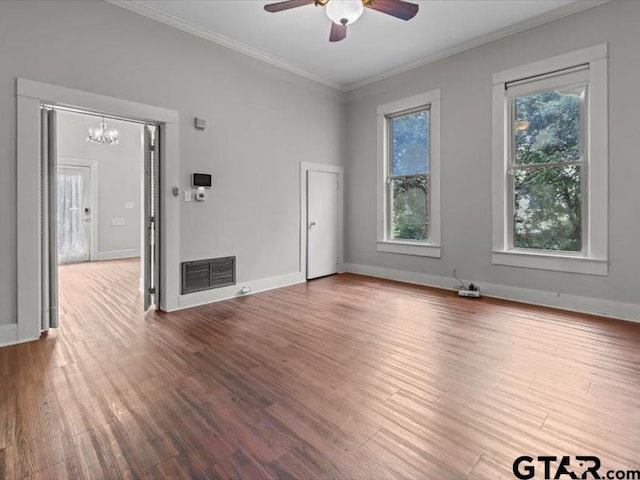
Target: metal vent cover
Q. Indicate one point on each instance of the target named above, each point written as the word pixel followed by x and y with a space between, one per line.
pixel 208 274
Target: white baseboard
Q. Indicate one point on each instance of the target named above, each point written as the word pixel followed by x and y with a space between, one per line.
pixel 116 254
pixel 10 335
pixel 233 291
pixel 573 303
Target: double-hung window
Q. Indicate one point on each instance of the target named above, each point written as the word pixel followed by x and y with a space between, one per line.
pixel 409 176
pixel 550 164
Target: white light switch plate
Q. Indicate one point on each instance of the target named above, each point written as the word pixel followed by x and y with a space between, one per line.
pixel 128 205
pixel 187 196
pixel 117 222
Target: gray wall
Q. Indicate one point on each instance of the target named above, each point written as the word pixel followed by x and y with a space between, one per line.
pixel 262 121
pixel 119 177
pixel 465 80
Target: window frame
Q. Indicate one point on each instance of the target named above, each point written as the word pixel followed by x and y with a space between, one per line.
pixel 558 82
pixel 588 68
pixel 390 177
pixel 385 113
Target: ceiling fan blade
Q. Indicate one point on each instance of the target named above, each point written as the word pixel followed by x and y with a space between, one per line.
pixel 287 5
pixel 396 8
pixel 338 32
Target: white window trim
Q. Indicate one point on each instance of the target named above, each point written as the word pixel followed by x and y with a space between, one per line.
pixel 432 248
pixel 594 260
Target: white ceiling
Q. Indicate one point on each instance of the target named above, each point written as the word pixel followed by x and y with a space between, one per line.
pixel 376 45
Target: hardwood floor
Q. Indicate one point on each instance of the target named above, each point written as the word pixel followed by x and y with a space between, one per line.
pixel 341 378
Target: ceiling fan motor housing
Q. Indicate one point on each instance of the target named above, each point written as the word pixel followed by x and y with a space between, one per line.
pixel 344 12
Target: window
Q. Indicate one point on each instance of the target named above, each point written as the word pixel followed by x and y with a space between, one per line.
pixel 408 176
pixel 409 185
pixel 547 166
pixel 550 164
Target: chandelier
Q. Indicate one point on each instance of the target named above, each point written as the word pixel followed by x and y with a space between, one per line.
pixel 102 135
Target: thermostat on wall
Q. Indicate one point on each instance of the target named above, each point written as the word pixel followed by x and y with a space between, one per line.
pixel 201 180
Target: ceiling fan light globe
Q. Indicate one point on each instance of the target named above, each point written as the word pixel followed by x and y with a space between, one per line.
pixel 344 12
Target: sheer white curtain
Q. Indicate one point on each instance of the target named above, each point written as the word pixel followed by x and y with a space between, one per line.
pixel 71 241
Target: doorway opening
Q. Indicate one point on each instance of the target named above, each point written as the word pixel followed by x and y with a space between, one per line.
pixel 34 142
pixel 100 206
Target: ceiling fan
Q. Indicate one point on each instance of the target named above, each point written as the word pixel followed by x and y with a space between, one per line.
pixel 345 12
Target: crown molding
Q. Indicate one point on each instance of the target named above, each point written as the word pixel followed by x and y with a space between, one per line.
pixel 145 10
pixel 548 17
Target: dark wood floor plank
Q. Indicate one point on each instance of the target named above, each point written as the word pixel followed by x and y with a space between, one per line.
pixel 345 377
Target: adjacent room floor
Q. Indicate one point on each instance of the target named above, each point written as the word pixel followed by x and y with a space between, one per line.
pixel 343 377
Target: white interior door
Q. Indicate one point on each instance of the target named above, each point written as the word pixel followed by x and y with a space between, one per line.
pixel 322 224
pixel 74 213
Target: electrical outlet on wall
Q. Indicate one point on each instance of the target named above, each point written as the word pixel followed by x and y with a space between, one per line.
pixel 117 222
pixel 187 196
pixel 128 205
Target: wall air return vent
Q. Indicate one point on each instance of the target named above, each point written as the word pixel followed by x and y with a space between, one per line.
pixel 208 274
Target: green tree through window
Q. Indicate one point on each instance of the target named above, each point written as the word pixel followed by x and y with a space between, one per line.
pixel 547 170
pixel 409 176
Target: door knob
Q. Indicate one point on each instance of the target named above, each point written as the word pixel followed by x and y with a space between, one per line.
pixel 312 224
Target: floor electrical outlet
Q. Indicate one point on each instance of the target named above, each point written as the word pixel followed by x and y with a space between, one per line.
pixel 469 293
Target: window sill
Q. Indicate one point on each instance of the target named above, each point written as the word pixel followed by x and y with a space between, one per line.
pixel 410 248
pixel 551 261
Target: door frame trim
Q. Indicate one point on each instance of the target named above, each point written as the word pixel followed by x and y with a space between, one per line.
pixel 31 95
pixel 319 167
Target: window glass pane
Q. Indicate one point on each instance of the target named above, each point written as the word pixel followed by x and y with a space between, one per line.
pixel 410 208
pixel 410 144
pixel 547 126
pixel 548 213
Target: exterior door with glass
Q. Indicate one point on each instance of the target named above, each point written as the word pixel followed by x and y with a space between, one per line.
pixel 74 213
